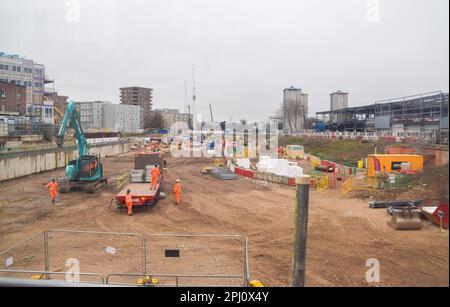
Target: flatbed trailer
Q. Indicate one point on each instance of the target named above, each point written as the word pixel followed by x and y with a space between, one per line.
pixel 141 194
pixel 140 190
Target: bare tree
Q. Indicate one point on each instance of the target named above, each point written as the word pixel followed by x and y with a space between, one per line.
pixel 155 120
pixel 294 114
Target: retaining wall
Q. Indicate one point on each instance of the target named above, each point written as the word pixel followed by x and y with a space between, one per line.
pixel 18 164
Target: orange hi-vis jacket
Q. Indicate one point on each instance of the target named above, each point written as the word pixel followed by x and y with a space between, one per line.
pixel 155 172
pixel 53 187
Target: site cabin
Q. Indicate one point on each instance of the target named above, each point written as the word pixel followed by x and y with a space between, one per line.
pixel 295 152
pixel 140 191
pixel 378 164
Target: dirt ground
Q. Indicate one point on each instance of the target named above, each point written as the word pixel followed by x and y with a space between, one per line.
pixel 343 232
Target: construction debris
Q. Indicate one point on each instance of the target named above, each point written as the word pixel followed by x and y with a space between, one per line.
pixel 221 173
pixel 394 204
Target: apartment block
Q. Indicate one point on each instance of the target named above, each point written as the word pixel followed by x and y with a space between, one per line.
pixel 139 96
pixel 338 100
pixel 295 109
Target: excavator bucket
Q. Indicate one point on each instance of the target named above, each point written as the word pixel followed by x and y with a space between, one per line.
pixel 406 219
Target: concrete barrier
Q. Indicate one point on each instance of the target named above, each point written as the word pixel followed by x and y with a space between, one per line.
pixel 18 164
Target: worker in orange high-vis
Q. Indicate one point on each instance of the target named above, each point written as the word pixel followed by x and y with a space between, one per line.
pixel 177 191
pixel 155 175
pixel 52 186
pixel 129 202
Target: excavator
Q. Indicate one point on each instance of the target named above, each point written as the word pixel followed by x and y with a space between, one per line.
pixel 86 172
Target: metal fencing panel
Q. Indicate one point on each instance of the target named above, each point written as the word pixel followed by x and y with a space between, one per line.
pixel 130 258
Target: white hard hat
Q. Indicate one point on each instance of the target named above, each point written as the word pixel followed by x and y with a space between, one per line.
pixel 178 180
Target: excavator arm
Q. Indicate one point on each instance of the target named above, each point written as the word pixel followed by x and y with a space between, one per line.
pixel 72 119
pixel 86 172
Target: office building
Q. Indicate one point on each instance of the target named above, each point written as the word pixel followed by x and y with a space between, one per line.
pixel 25 72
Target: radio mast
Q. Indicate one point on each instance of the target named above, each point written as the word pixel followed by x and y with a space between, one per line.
pixel 193 90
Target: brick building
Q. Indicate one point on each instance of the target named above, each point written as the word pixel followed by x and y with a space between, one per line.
pixel 13 98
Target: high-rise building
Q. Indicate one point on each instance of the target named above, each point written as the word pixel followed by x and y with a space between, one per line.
pixel 17 70
pixel 338 100
pixel 295 109
pixel 139 96
pixel 12 98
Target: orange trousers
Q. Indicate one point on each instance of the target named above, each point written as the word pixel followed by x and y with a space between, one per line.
pixel 154 183
pixel 130 208
pixel 177 198
pixel 53 195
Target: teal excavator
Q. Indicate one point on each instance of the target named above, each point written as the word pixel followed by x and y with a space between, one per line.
pixel 86 172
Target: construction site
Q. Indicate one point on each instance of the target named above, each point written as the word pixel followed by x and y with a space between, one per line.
pixel 224 144
pixel 235 222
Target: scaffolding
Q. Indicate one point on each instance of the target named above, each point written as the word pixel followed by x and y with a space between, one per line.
pixel 423 115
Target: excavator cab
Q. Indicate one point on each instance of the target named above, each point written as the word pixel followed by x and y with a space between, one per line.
pixel 89 168
pixel 86 168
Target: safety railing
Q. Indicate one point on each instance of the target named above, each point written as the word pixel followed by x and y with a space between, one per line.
pixel 48 274
pixel 144 246
pixel 177 278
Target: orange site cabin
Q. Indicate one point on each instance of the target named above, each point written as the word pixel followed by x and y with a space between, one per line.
pixel 392 163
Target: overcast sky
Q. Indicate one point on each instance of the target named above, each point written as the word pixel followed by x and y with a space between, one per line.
pixel 245 51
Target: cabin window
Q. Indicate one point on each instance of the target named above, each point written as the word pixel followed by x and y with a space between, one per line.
pixel 396 166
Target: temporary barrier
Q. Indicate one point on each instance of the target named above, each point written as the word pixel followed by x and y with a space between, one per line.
pixel 174 259
pixel 243 172
pixel 358 184
pixel 291 181
pixel 347 186
pixel 318 180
